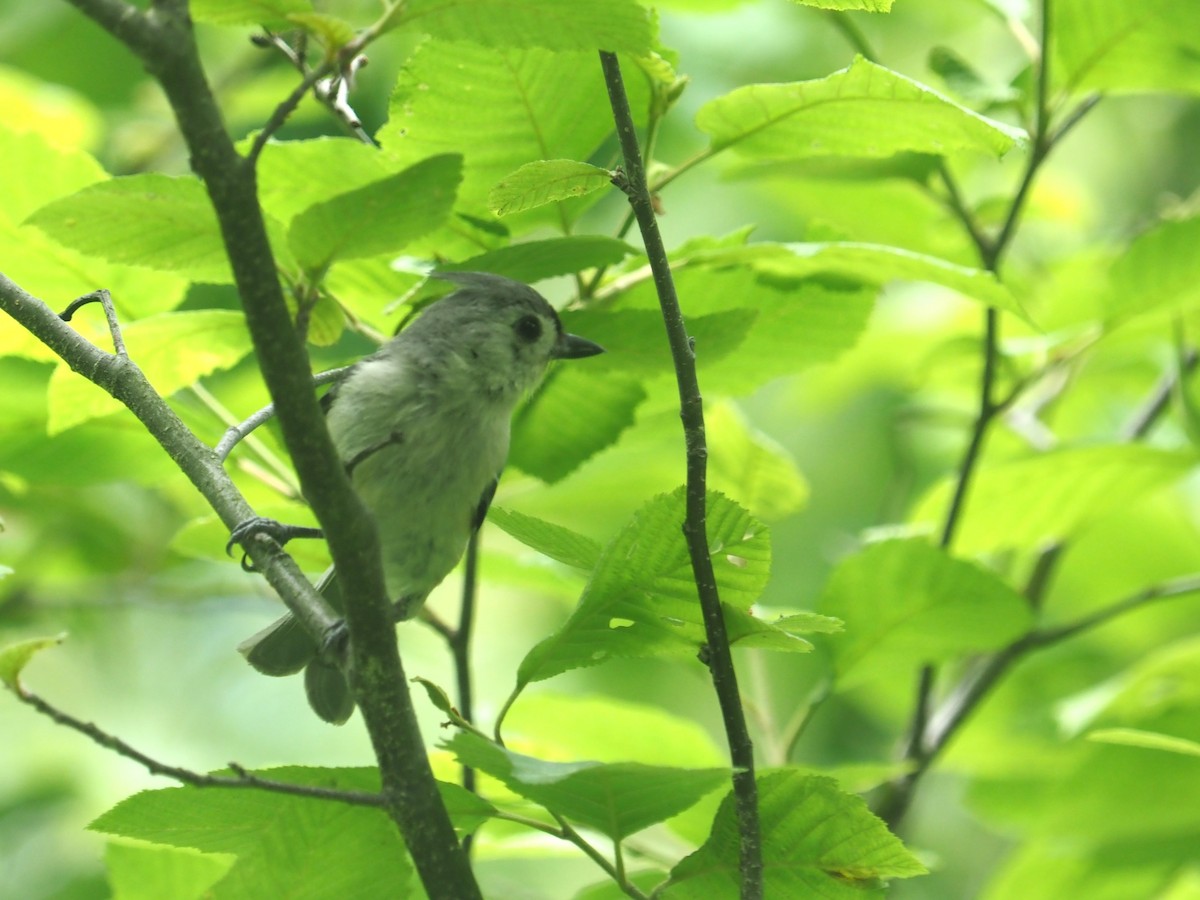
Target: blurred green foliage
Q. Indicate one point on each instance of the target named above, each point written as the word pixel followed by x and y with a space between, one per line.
pixel 836 300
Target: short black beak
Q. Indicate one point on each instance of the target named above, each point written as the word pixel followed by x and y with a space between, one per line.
pixel 572 346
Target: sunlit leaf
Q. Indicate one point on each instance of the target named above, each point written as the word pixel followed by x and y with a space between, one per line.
pixel 1111 45
pixel 151 220
pixel 864 110
pixel 1160 270
pixel 641 599
pixel 380 217
pixel 1149 740
pixel 905 603
pixel 616 799
pixel 14 658
pixel 532 261
pixel 817 842
pixel 875 264
pixel 246 12
pixel 153 872
pixel 545 181
pixel 596 25
pixel 554 541
pixel 750 467
pixel 1049 497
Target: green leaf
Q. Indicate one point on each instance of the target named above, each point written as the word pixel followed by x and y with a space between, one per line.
pixel 616 799
pixel 789 327
pixel 501 109
pixel 635 340
pixel 555 541
pixel 864 110
pixel 332 32
pixel 565 726
pixel 1111 45
pixel 533 261
pixel 14 658
pixel 381 217
pixel 641 599
pixel 750 467
pixel 152 872
pixel 905 603
pixel 285 845
pixel 246 12
pixel 150 220
pixel 864 5
pixel 1150 740
pixel 294 175
pixel 1160 270
pixel 572 416
pixel 617 25
pixel 874 264
pixel 546 181
pixel 1051 496
pixel 817 842
pixel 173 350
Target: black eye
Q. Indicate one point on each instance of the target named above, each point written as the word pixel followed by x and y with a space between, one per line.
pixel 528 328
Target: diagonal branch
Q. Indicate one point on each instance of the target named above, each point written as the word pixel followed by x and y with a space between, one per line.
pixel 719 658
pixel 240 779
pixel 163 39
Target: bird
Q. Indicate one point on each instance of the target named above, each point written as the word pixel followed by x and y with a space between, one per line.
pixel 422 427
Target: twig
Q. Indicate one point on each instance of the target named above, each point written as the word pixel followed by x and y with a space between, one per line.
pixel 237 433
pixel 104 298
pixel 241 779
pixel 163 39
pixel 720 660
pixel 1142 421
pixel 566 832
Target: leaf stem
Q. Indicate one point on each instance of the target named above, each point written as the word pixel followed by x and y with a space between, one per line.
pixel 720 659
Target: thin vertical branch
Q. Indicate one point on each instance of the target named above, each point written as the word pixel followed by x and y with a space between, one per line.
pixel 917 750
pixel 691 410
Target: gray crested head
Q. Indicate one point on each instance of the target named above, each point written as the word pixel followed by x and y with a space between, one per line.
pixel 501 332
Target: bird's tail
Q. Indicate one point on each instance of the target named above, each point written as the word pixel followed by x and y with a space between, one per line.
pixel 284 648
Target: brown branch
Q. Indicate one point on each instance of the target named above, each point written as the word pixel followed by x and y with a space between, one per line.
pixel 691 411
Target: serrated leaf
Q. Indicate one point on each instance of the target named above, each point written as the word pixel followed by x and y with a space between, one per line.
pixel 906 603
pixel 1051 496
pixel 864 5
pixel 641 599
pixel 1112 45
pixel 864 110
pixel 747 630
pixel 246 12
pixel 14 658
pixel 153 872
pixel 294 175
pixel 1149 740
pixel 1159 270
pixel 750 467
pixel 284 844
pixel 616 799
pixel 617 25
pixel 381 217
pixel 545 181
pixel 562 544
pixel 532 261
pixel 173 350
pixel 875 264
pixel 817 842
pixel 151 220
pixel 573 415
pixel 502 108
pixel 787 327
